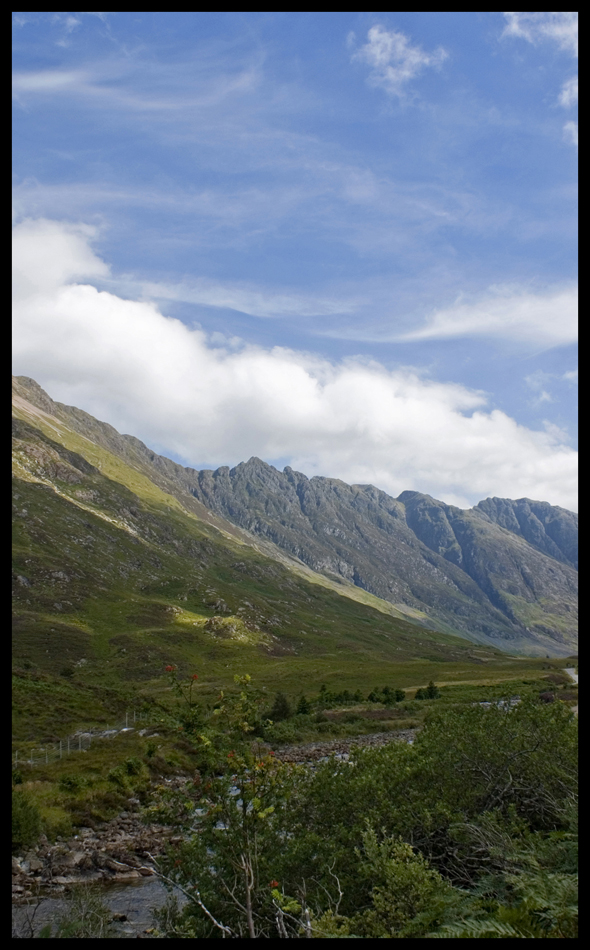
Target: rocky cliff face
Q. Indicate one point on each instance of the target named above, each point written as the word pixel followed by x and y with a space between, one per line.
pixel 502 572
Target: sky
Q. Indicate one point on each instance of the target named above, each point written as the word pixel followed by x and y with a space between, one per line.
pixel 344 242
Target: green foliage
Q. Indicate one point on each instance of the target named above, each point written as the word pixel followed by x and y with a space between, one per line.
pixel 486 796
pixel 407 895
pixel 281 708
pixel 73 783
pixel 303 707
pixel 26 821
pixel 429 692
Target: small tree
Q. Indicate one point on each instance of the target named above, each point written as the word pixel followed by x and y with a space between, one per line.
pixel 303 707
pixel 281 709
pixel 432 691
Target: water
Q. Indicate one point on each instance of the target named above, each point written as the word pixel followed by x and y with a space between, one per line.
pixel 136 901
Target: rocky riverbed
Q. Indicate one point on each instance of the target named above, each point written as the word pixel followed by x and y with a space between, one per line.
pixel 316 751
pixel 119 852
pixel 115 853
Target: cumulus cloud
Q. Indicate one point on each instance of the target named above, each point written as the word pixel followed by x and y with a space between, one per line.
pixel 542 319
pixel 393 61
pixel 151 375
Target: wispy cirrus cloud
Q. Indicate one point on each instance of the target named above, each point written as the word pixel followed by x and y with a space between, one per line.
pixel 393 60
pixel 560 27
pixel 544 320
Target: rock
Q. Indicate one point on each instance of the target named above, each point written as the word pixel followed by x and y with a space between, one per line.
pixel 63 861
pixel 15 865
pixel 115 865
pixel 146 872
pixel 122 876
pixel 119 916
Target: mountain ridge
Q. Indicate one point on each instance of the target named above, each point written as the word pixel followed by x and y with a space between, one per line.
pixel 502 572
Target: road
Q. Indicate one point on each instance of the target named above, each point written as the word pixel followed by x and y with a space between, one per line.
pixel 571 672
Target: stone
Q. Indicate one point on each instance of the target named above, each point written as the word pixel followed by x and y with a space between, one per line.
pixel 122 876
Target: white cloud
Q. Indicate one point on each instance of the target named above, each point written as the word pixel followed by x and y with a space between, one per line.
pixel 543 319
pixel 571 376
pixel 561 27
pixel 570 133
pixel 394 62
pixel 246 298
pixel 569 93
pixel 49 80
pixel 153 376
pixel 536 382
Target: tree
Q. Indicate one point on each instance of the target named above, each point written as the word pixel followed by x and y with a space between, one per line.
pixel 281 709
pixel 303 707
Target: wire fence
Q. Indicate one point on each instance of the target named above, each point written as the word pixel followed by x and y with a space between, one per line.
pixel 79 741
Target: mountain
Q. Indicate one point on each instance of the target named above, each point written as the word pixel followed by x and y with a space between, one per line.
pixel 501 574
pixel 114 578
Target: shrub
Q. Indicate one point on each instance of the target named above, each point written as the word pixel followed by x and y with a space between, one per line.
pixel 26 821
pixel 72 783
pixel 133 766
pixel 119 776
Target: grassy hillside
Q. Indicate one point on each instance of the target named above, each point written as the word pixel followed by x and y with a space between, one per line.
pixel 114 579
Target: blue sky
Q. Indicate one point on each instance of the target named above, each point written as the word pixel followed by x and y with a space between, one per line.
pixel 344 242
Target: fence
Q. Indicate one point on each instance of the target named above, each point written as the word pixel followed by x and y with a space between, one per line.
pixel 78 741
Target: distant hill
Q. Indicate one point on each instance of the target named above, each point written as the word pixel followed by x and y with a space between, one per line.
pixel 502 573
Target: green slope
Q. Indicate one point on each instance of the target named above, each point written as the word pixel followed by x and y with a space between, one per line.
pixel 114 579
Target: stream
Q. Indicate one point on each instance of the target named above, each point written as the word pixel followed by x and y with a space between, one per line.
pixel 133 900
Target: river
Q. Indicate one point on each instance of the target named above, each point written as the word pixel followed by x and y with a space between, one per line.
pixel 134 901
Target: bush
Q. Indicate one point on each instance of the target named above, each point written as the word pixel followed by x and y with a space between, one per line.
pixel 26 821
pixel 350 717
pixel 119 776
pixel 72 783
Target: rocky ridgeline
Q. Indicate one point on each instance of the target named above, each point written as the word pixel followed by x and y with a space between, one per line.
pixel 117 852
